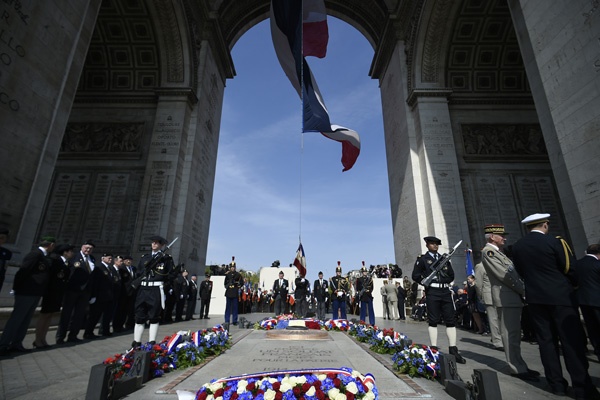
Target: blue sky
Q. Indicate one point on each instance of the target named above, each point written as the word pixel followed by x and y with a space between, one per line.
pixel 274 184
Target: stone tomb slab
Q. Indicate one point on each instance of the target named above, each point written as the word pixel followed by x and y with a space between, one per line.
pixel 256 353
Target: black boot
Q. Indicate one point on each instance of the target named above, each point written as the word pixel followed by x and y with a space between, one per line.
pixel 135 345
pixel 459 359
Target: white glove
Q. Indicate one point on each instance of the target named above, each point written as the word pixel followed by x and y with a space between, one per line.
pixel 170 291
pixel 92 300
pixel 180 296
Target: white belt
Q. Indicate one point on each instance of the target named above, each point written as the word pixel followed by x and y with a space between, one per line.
pixel 440 285
pixel 156 283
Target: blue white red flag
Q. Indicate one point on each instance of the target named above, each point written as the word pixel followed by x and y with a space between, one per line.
pixel 288 18
pixel 469 267
pixel 300 260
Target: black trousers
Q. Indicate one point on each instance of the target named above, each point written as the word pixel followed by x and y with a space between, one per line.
pixel 591 316
pixel 440 305
pixel 552 324
pixel 204 308
pixel 72 316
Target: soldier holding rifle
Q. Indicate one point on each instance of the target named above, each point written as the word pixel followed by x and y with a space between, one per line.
pixel 438 292
pixel 339 287
pixel 156 268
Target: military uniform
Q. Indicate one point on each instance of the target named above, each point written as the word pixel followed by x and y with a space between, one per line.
pixel 588 294
pixel 340 288
pixel 544 263
pixel 101 292
pixel 507 291
pixel 192 292
pixel 156 269
pixel 233 283
pixel 364 286
pixel 484 291
pixel 438 295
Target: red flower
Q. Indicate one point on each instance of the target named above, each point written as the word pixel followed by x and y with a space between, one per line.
pixel 278 396
pixel 219 392
pixel 349 395
pixel 317 385
pixel 320 395
pixel 202 396
pixel 297 391
pixel 337 382
pixel 331 375
pixel 251 387
pixel 276 386
pixel 306 386
pixel 127 366
pixel 234 396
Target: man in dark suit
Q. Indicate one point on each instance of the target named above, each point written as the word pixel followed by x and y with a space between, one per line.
pixel 180 292
pixel 206 287
pixel 321 293
pixel 101 297
pixel 192 292
pixel 302 290
pixel 77 294
pixel 129 290
pixel 588 294
pixel 124 307
pixel 29 285
pixel 233 283
pixel 280 292
pixel 545 263
pixel 401 300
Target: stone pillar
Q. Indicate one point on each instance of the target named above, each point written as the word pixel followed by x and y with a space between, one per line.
pixel 425 188
pixel 560 45
pixel 42 49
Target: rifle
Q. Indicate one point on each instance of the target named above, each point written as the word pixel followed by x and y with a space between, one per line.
pixel 438 265
pixel 138 281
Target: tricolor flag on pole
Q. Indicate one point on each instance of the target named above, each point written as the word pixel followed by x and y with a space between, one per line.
pixel 289 18
pixel 469 267
pixel 300 260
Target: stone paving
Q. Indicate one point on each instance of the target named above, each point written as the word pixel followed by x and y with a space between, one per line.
pixel 62 372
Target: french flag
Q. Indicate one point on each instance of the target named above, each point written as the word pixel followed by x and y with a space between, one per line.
pixel 300 260
pixel 288 20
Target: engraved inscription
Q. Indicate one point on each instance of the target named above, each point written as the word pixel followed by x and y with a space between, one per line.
pixel 11 49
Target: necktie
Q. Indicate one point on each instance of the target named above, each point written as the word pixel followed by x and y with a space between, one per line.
pixel 280 282
pixel 87 264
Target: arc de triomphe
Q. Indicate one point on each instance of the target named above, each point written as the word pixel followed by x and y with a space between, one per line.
pixel 111 111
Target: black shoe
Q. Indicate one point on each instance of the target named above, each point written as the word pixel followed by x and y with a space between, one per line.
pixel 459 359
pixel 21 349
pixel 60 341
pixel 90 336
pixel 533 372
pixel 499 348
pixel 206 317
pixel 74 340
pixel 135 345
pixel 526 376
pixel 235 323
pixel 152 343
pixel 4 352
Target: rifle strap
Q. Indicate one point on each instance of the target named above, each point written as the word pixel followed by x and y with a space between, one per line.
pixel 568 253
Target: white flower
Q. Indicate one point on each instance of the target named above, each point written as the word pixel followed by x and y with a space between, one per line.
pixel 322 377
pixel 269 394
pixel 340 396
pixel 352 388
pixel 369 396
pixel 215 386
pixel 285 386
pixel 311 391
pixel 333 392
pixel 272 380
pixel 241 388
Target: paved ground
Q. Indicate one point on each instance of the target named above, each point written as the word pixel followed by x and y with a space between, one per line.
pixel 62 372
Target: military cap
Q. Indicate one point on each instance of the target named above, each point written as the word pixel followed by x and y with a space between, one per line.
pixel 159 239
pixel 89 243
pixel 535 219
pixel 320 272
pixel 496 229
pixel 339 267
pixel 127 257
pixel 207 273
pixel 363 269
pixel 432 239
pixel 281 273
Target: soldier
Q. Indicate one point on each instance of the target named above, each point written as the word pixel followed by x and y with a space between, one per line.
pixel 484 292
pixel 102 297
pixel 156 268
pixel 438 295
pixel 507 292
pixel 364 286
pixel 205 292
pixel 302 290
pixel 233 283
pixel 321 293
pixel 340 288
pixel 545 262
pixel 180 292
pixel 280 293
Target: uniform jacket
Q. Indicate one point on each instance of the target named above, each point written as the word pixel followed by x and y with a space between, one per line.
pixel 588 272
pixel 390 291
pixel 483 287
pixel 302 287
pixel 280 290
pixel 80 275
pixel 507 285
pixel 422 269
pixel 365 284
pixel 541 261
pixel 339 284
pixel 233 283
pixel 33 275
pixel 192 290
pixel 321 290
pixel 161 270
pixel 206 289
pixel 101 283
